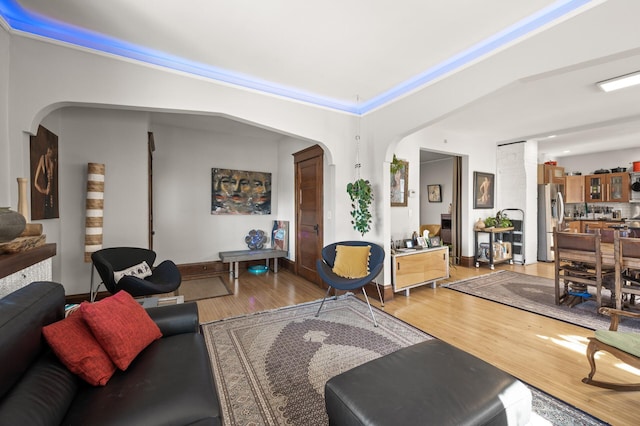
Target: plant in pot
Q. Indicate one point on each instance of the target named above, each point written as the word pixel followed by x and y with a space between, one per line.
pixel 500 220
pixel 361 196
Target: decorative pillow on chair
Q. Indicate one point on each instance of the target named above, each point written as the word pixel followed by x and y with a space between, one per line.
pixel 141 270
pixel 352 261
pixel 121 326
pixel 72 342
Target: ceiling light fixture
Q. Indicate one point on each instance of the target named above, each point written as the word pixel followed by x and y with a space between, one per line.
pixel 620 82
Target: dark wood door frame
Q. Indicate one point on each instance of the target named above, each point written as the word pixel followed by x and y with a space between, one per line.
pixel 151 147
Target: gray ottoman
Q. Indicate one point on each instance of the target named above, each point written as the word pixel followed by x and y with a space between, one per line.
pixel 429 383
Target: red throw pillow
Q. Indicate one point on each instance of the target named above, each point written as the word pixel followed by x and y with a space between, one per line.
pixel 121 326
pixel 72 342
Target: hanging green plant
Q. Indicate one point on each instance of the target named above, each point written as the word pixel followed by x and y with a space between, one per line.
pixel 361 197
pixel 396 165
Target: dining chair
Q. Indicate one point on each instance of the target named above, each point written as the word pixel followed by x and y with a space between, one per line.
pixel 578 264
pixel 627 264
pixel 623 345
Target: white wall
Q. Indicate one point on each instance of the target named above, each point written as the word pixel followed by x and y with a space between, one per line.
pixel 438 172
pixel 516 188
pixel 119 140
pixel 588 163
pixel 406 220
pixel 5 172
pixel 185 229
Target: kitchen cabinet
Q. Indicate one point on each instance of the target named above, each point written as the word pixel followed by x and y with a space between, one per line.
pixel 590 225
pixel 417 267
pixel 574 226
pixel 613 187
pixel 574 189
pixel 550 174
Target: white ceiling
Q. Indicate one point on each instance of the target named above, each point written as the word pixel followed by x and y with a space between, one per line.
pixel 354 51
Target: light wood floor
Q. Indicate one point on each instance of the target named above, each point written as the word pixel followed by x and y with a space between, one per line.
pixel 542 352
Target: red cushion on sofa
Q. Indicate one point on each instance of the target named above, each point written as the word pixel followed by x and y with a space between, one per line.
pixel 72 342
pixel 121 326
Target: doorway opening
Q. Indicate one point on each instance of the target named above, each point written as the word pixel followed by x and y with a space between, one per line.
pixel 442 173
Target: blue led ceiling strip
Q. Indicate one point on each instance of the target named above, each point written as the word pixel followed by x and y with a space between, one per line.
pixel 20 19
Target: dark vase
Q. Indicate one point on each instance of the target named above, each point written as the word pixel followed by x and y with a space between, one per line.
pixel 11 224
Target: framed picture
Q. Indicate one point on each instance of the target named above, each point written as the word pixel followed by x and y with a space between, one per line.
pixel 400 185
pixel 434 194
pixel 483 190
pixel 435 242
pixel 240 192
pixel 280 235
pixel 408 243
pixel 43 153
pixel 422 242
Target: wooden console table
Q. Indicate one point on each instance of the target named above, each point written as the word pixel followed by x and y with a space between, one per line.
pixel 235 257
pixel 418 267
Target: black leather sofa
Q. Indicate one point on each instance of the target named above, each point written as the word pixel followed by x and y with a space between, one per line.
pixel 169 383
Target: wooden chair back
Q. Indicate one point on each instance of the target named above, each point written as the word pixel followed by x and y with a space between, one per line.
pixel 578 259
pixel 568 244
pixel 627 258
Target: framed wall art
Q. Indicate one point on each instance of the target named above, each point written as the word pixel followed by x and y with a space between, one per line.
pixel 483 190
pixel 400 185
pixel 280 235
pixel 434 195
pixel 44 175
pixel 240 192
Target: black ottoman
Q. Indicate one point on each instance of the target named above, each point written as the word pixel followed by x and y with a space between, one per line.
pixel 429 383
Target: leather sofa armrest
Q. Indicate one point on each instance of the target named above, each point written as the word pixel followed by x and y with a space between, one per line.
pixel 176 319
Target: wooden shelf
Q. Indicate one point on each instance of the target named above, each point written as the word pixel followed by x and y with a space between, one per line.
pixel 12 263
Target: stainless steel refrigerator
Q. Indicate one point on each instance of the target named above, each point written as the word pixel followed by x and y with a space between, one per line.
pixel 550 215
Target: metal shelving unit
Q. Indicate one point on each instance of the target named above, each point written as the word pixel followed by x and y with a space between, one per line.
pixel 517 236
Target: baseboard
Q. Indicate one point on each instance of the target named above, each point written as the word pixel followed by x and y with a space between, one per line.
pixel 467 261
pixel 199 270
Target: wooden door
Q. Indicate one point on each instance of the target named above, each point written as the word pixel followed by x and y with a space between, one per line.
pixel 309 211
